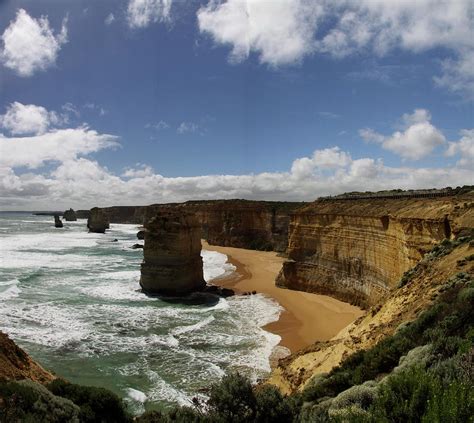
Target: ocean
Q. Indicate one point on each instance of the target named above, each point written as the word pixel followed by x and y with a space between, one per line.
pixel 72 300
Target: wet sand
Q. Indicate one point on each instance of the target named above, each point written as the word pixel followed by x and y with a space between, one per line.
pixel 307 318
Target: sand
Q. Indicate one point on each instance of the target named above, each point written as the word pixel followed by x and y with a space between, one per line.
pixel 307 317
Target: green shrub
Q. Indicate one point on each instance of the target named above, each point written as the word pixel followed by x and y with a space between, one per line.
pixel 96 404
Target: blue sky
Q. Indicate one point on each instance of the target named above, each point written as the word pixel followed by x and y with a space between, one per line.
pixel 142 101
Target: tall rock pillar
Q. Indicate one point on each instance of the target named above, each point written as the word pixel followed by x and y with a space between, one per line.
pixel 98 221
pixel 172 262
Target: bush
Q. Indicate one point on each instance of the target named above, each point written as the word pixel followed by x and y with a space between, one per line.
pixel 96 404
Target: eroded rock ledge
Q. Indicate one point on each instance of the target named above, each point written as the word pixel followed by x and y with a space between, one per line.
pixel 172 262
pixel 357 250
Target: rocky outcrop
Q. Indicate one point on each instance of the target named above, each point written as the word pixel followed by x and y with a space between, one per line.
pixel 141 234
pixel 420 287
pixel 57 222
pixel 16 364
pixel 356 250
pixel 260 225
pixel 98 221
pixel 70 215
pixel 172 263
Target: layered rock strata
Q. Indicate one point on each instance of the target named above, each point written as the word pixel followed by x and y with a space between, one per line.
pixel 98 221
pixel 260 225
pixel 357 250
pixel 172 263
pixel 70 215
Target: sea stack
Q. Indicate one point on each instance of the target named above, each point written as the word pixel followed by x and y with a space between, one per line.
pixel 98 221
pixel 57 222
pixel 172 262
pixel 70 215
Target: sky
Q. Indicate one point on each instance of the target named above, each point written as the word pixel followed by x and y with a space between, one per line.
pixel 134 102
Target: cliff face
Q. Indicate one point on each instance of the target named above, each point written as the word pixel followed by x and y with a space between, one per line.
pixel 70 215
pixel 357 250
pixel 261 225
pixel 419 290
pixel 98 221
pixel 172 263
pixel 16 364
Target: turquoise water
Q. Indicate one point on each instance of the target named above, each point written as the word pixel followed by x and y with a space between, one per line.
pixel 72 300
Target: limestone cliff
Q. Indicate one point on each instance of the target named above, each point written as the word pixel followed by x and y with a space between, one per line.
pixel 98 221
pixel 261 225
pixel 415 292
pixel 70 215
pixel 356 250
pixel 172 263
pixel 16 364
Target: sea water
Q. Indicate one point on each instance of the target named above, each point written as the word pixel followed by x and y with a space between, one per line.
pixel 72 300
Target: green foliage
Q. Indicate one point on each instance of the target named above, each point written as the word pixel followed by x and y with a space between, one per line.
pixel 27 401
pixel 96 404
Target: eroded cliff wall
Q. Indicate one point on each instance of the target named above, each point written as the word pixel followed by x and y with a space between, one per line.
pixel 259 225
pixel 357 250
pixel 172 262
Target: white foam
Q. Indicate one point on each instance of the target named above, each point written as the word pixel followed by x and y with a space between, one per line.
pixel 136 395
pixel 199 325
pixel 11 291
pixel 215 265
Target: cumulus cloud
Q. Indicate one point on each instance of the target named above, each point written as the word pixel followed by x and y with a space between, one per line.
pixel 56 145
pixel 280 32
pixel 464 147
pixel 140 171
pixel 284 32
pixel 418 139
pixel 30 45
pixel 141 13
pixel 21 119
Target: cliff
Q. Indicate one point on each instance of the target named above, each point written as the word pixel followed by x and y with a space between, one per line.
pixel 260 225
pixel 356 250
pixel 98 221
pixel 172 263
pixel 70 215
pixel 16 364
pixel 446 265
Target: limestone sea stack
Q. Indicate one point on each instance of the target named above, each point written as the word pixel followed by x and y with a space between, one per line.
pixel 70 215
pixel 98 221
pixel 172 262
pixel 57 222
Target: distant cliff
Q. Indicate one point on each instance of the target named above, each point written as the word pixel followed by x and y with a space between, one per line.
pixel 357 249
pixel 259 225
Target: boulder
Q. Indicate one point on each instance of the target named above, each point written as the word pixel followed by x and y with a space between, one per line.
pixel 141 234
pixel 57 222
pixel 70 215
pixel 98 221
pixel 172 262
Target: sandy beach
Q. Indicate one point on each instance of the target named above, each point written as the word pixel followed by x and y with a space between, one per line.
pixel 307 317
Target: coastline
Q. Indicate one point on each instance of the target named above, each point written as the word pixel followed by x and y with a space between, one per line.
pixel 306 317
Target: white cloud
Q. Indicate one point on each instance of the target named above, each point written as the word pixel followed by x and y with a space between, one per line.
pixel 109 19
pixel 285 31
pixel 329 115
pixel 57 145
pixel 22 119
pixel 187 127
pixel 417 140
pixel 30 45
pixel 280 32
pixel 141 13
pixel 464 147
pixel 141 171
pixel 157 126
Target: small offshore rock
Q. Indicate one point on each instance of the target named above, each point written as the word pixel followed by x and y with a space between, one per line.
pixel 57 222
pixel 136 246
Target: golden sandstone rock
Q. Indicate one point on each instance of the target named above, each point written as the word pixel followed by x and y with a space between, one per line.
pixel 172 262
